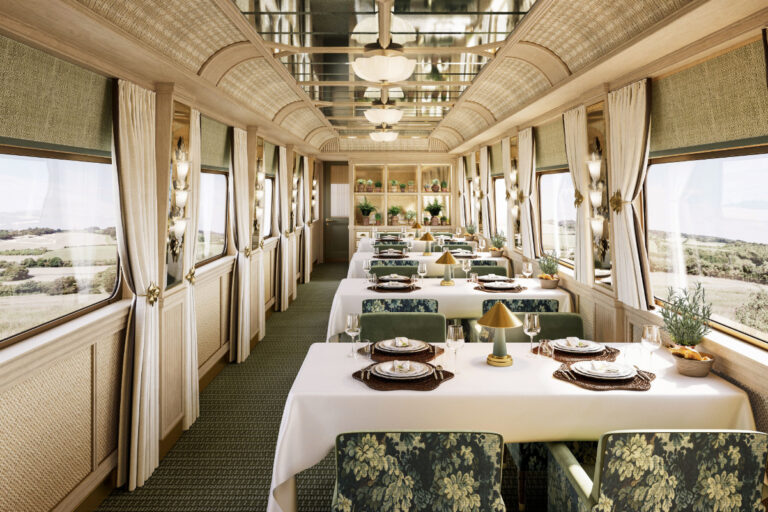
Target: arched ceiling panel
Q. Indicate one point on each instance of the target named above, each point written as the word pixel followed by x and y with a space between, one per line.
pixel 302 121
pixel 320 136
pixel 465 121
pixel 401 144
pixel 448 135
pixel 257 84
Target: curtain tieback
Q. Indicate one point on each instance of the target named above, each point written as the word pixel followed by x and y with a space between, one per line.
pixel 481 195
pixel 577 198
pixel 261 244
pixel 617 202
pixel 153 294
pixel 521 196
pixel 190 276
pixel 247 252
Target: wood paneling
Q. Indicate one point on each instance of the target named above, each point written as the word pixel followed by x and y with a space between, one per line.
pixel 212 296
pixel 171 363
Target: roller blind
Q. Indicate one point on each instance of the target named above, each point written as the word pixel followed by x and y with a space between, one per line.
pixel 215 144
pixel 494 157
pixel 550 145
pixel 718 104
pixel 48 103
pixel 271 158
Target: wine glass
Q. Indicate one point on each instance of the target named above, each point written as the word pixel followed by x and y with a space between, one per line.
pixel 422 271
pixel 353 329
pixel 531 327
pixel 481 244
pixel 458 232
pixel 466 266
pixel 651 340
pixel 527 269
pixel 367 267
pixel 473 277
pixel 454 342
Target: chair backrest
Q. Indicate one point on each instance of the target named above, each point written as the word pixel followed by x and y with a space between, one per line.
pixel 485 263
pixel 418 471
pixel 403 270
pixel 450 247
pixel 442 233
pixel 553 326
pixel 391 245
pixel 399 305
pixel 395 233
pixel 429 327
pixel 525 305
pixel 484 270
pixel 681 470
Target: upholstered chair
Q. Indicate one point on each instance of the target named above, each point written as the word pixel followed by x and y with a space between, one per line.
pixel 483 270
pixel 400 306
pixel 402 270
pixel 429 327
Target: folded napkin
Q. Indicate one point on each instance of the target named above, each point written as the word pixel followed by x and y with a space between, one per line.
pixel 573 341
pixel 401 366
pixel 604 367
pixel 394 276
pixel 402 341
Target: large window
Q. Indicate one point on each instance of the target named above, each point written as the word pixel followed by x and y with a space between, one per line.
pixel 557 214
pixel 58 248
pixel 266 227
pixel 707 221
pixel 212 216
pixel 500 201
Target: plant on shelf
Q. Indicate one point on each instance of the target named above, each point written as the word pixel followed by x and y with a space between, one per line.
pixel 443 220
pixel 369 186
pixel 435 185
pixel 434 208
pixel 444 186
pixel 411 186
pixel 686 315
pixel 402 187
pixel 425 220
pixel 393 186
pixel 361 185
pixel 548 265
pixel 393 212
pixel 377 186
pixel 378 219
pixel 366 209
pixel 410 215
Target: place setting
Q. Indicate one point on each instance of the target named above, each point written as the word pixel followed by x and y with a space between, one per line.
pixel 573 349
pixel 493 283
pixel 605 376
pixel 400 348
pixel 392 283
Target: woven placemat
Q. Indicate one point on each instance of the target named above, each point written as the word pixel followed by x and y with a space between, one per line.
pixel 394 290
pixel 609 354
pixel 641 381
pixel 511 290
pixel 423 384
pixel 465 256
pixel 421 357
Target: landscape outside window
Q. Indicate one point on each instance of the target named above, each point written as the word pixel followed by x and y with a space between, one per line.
pixel 707 222
pixel 212 216
pixel 58 248
pixel 266 226
pixel 558 215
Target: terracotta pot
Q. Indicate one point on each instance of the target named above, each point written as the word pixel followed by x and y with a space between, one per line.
pixel 366 221
pixel 444 222
pixel 435 188
pixel 549 284
pixel 693 367
pixel 445 189
pixel 361 188
pixel 369 188
pixel 435 221
pixel 377 189
pixel 394 188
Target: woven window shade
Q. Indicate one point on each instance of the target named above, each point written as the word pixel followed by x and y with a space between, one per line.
pixel 550 145
pixel 215 144
pixel 271 159
pixel 718 104
pixel 47 103
pixel 494 157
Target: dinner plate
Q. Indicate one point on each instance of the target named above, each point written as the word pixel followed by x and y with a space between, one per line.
pixel 389 346
pixel 393 285
pixel 386 370
pixel 394 277
pixel 587 347
pixel 492 277
pixel 500 285
pixel 586 369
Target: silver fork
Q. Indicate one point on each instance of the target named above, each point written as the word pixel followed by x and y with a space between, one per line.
pixel 641 374
pixel 440 369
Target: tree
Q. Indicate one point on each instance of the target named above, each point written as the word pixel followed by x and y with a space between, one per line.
pixel 754 313
pixel 15 272
pixel 63 286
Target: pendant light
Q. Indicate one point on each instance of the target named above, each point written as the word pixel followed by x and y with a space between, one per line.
pixel 384 68
pixel 383 136
pixel 383 115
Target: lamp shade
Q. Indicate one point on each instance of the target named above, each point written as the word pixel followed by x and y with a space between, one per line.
pixel 427 237
pixel 596 196
pixel 381 136
pixel 182 170
pixel 416 225
pixel 381 68
pixel 374 93
pixel 446 259
pixel 178 227
pixel 500 317
pixel 597 226
pixel 180 198
pixel 594 169
pixel 366 32
pixel 387 116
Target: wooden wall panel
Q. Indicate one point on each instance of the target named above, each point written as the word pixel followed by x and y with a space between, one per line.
pixel 208 307
pixel 109 368
pixel 171 363
pixel 254 298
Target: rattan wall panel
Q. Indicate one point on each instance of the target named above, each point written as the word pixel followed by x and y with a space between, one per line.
pixel 465 121
pixel 187 31
pixel 587 312
pixel 581 32
pixel 255 83
pixel 215 144
pixel 109 364
pixel 45 435
pixel 508 86
pixel 550 145
pixel 302 121
pixel 720 100
pixel 208 307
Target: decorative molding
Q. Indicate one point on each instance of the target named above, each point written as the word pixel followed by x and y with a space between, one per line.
pixel 287 110
pixel 225 59
pixel 482 110
pixel 544 59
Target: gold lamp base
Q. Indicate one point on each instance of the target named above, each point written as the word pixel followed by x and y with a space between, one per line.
pixel 427 254
pixel 499 361
pixel 447 283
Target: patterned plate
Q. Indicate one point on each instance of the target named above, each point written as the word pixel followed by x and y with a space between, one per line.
pixel 393 285
pixel 500 285
pixel 492 277
pixel 585 346
pixel 387 371
pixel 389 346
pixel 586 369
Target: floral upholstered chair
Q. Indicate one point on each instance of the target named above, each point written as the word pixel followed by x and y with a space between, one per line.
pixel 418 471
pixel 400 305
pixel 394 263
pixel 666 471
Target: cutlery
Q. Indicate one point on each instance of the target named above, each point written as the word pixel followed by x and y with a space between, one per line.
pixel 566 375
pixel 570 374
pixel 641 374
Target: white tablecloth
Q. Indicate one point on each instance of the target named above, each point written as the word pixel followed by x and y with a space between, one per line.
pixel 433 269
pixel 522 403
pixel 459 301
pixel 366 245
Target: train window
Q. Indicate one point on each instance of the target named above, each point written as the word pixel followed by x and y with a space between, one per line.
pixel 707 222
pixel 212 217
pixel 557 214
pixel 269 185
pixel 500 201
pixel 58 246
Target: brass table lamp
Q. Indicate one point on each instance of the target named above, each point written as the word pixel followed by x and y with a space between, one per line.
pixel 449 261
pixel 417 227
pixel 499 317
pixel 429 239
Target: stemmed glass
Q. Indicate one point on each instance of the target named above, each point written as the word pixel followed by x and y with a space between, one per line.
pixel 531 327
pixel 353 330
pixel 409 244
pixel 422 271
pixel 481 245
pixel 651 340
pixel 454 342
pixel 466 266
pixel 527 269
pixel 367 267
pixel 458 232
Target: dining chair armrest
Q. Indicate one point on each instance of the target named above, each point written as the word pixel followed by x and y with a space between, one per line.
pixel 575 473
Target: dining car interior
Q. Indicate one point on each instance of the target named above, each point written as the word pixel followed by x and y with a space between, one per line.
pixel 384 255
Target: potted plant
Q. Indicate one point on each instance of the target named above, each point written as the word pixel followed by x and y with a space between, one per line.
pixel 378 219
pixel 377 186
pixel 425 220
pixel 402 187
pixel 548 265
pixel 427 187
pixel 443 220
pixel 411 186
pixel 393 186
pixel 393 212
pixel 366 209
pixel 361 185
pixel 444 186
pixel 435 185
pixel 410 216
pixel 686 317
pixel 434 208
pixel 369 186
pixel 471 230
pixel 497 244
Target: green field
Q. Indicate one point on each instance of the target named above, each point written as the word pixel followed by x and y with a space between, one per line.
pixel 19 313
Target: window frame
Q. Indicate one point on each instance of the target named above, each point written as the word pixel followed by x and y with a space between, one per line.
pixel 540 244
pixel 117 293
pixel 271 209
pixel 224 251
pixel 761 149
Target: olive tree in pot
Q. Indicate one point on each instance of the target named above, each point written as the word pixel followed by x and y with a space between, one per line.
pixel 497 244
pixel 686 317
pixel 548 265
pixel 434 208
pixel 471 229
pixel 366 209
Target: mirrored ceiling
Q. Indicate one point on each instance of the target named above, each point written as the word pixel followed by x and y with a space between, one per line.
pixel 451 41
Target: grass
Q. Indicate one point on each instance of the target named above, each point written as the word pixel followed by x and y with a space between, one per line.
pixel 86 253
pixel 22 312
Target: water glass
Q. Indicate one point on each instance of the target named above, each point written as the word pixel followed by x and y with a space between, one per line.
pixel 473 277
pixel 651 341
pixel 527 269
pixel 466 266
pixel 422 271
pixel 454 342
pixel 353 330
pixel 481 244
pixel 531 327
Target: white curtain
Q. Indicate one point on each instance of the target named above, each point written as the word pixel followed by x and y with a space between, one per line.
pixel 506 160
pixel 191 390
pixel 240 347
pixel 576 147
pixel 286 242
pixel 472 175
pixel 307 219
pixel 137 242
pixel 489 224
pixel 463 193
pixel 526 165
pixel 628 141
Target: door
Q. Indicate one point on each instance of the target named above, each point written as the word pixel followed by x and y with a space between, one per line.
pixel 336 212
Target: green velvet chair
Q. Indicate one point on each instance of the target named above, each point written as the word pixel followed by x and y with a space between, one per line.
pixel 450 247
pixel 553 326
pixel 429 327
pixel 403 270
pixel 482 270
pixel 418 471
pixel 661 471
pixel 396 233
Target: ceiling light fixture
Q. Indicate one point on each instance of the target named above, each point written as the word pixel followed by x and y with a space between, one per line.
pixel 374 93
pixel 384 115
pixel 389 67
pixel 383 135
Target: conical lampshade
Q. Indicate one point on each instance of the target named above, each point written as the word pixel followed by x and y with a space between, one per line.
pixel 427 237
pixel 416 225
pixel 499 316
pixel 447 259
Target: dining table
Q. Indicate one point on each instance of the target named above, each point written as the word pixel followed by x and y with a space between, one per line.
pixel 366 244
pixel 522 402
pixel 434 269
pixel 462 300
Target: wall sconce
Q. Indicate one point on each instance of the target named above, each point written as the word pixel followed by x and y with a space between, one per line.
pixel 258 203
pixel 597 226
pixel 177 224
pixel 596 195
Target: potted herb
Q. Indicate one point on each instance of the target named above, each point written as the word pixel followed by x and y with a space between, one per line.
pixel 378 219
pixel 377 186
pixel 443 220
pixel 444 186
pixel 434 208
pixel 393 186
pixel 369 186
pixel 411 186
pixel 435 185
pixel 497 244
pixel 471 230
pixel 686 317
pixel 366 209
pixel 393 212
pixel 548 265
pixel 361 185
pixel 402 187
pixel 410 216
pixel 425 220
pixel 427 187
